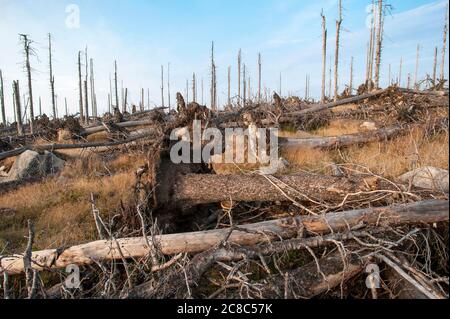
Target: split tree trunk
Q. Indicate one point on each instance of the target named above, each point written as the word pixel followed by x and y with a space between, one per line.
pixel 2 100
pixel 18 110
pixel 433 211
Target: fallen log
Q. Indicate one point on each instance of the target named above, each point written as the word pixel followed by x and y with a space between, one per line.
pixel 433 211
pixel 197 189
pixel 55 146
pixel 343 140
pixel 101 128
pixel 321 107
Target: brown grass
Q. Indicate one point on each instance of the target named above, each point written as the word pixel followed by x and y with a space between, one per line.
pixel 60 206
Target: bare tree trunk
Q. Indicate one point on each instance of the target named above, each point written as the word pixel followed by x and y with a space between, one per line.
pixel 239 76
pixel 142 100
pixel 162 85
pixel 416 84
pixel 367 62
pixel 65 106
pixel 435 65
pixel 336 55
pixel 229 85
pixel 168 86
pixel 86 95
pixel 400 72
pixel 2 100
pixel 203 101
pixel 52 79
pixel 115 84
pixel 408 84
pixel 379 43
pixel 93 99
pixel 80 88
pixel 372 46
pixel 324 55
pixel 259 77
pixel 194 89
pixel 109 102
pixel 329 83
pixel 110 95
pixel 40 107
pixel 244 85
pixel 444 44
pixel 350 87
pixel 125 100
pixel 27 48
pixel 18 110
pixel 213 75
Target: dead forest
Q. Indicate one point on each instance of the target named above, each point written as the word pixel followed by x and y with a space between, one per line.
pixel 357 208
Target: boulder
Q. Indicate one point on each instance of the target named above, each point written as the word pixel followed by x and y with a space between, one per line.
pixel 30 164
pixel 428 178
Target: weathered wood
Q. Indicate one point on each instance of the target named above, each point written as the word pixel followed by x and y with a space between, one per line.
pixel 209 188
pixel 53 147
pixel 101 128
pixel 433 211
pixel 321 107
pixel 343 140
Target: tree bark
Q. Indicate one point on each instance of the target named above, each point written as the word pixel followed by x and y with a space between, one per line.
pixel 324 56
pixel 18 110
pixel 2 100
pixel 343 140
pixel 433 211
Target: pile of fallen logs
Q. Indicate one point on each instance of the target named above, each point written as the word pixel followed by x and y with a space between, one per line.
pixel 327 232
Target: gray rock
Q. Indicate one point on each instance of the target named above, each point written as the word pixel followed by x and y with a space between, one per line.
pixel 428 178
pixel 30 164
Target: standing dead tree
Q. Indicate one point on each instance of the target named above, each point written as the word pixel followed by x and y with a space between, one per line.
pixel 162 85
pixel 115 84
pixel 416 83
pixel 18 110
pixel 259 77
pixel 379 43
pixel 52 77
pixel 194 88
pixel 93 96
pixel 244 86
pixel 229 86
pixel 371 49
pixel 239 76
pixel 399 82
pixel 80 88
pixel 168 88
pixel 142 100
pixel 435 65
pixel 213 80
pixel 324 55
pixel 336 54
pixel 27 50
pixel 86 96
pixel 2 100
pixel 444 44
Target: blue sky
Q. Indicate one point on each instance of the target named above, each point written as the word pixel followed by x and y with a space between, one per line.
pixel 142 35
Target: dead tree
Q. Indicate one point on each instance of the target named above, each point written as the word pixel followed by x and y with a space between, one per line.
pixel 336 55
pixel 40 107
pixel 416 83
pixel 125 100
pixel 371 47
pixel 52 78
pixel 93 96
pixel 324 55
pixel 259 77
pixel 239 76
pixel 2 100
pixel 86 96
pixel 27 49
pixel 142 101
pixel 379 43
pixel 162 85
pixel 65 106
pixel 168 87
pixel 213 79
pixel 80 88
pixel 400 72
pixel 389 75
pixel 444 44
pixel 194 88
pixel 229 86
pixel 115 84
pixel 435 65
pixel 244 86
pixel 408 84
pixel 110 95
pixel 18 110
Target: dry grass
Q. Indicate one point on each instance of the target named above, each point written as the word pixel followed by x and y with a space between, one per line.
pixel 340 127
pixel 60 206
